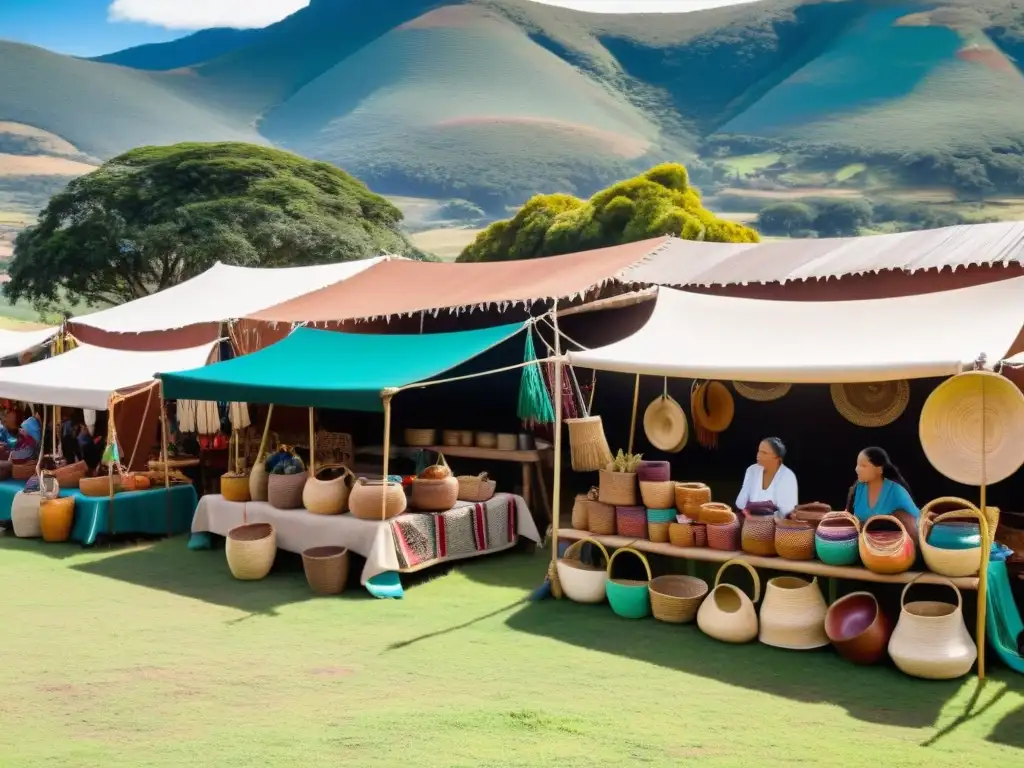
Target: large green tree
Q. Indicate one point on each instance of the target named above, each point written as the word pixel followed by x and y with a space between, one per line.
pixel 658 202
pixel 156 216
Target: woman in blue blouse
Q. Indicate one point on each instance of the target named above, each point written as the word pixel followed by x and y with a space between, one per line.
pixel 881 490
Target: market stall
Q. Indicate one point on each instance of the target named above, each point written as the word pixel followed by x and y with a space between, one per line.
pixel 356 372
pixel 961 334
pixel 98 379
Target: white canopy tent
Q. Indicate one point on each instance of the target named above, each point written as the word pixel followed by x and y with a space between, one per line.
pixel 15 342
pixel 87 376
pixel 221 293
pixel 692 335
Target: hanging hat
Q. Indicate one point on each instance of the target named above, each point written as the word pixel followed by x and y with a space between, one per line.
pixel 760 392
pixel 665 424
pixel 714 406
pixel 873 404
pixel 972 428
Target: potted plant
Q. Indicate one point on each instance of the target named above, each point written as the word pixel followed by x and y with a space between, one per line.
pixel 618 485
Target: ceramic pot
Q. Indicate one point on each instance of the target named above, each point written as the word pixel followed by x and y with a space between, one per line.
pixel 858 628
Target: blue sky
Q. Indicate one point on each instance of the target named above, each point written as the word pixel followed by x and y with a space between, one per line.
pixel 95 27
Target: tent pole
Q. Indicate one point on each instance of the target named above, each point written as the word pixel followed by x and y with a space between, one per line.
pixel 556 589
pixel 163 456
pixel 312 445
pixel 986 545
pixel 387 453
pixel 632 420
pixel 266 433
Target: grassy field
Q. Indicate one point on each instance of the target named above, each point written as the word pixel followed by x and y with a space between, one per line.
pixel 153 656
pixel 446 244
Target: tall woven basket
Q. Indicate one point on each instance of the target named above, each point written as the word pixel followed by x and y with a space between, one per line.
pixel 588 444
pixel 326 569
pixel 250 550
pixel 285 491
pixel 617 488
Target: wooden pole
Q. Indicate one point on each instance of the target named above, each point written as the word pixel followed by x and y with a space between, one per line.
pixel 556 589
pixel 312 445
pixel 164 457
pixel 986 545
pixel 632 420
pixel 387 454
pixel 266 434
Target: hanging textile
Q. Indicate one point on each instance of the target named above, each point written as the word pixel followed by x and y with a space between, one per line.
pixel 534 403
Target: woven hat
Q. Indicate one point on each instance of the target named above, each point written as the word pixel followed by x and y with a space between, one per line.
pixel 665 424
pixel 972 428
pixel 873 404
pixel 760 392
pixel 714 406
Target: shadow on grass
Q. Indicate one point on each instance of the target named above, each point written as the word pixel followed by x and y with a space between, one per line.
pixel 872 694
pixel 1010 730
pixel 64 551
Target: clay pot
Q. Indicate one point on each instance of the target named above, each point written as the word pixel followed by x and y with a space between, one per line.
pixel 858 628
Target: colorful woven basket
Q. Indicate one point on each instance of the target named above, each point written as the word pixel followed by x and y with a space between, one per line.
pixel 836 539
pixel 724 536
pixel 758 536
pixel 631 522
pixel 629 598
pixel 794 540
pixel 654 471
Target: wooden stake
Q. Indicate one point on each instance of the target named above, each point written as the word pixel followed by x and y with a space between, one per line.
pixel 312 445
pixel 556 491
pixel 387 454
pixel 164 458
pixel 632 421
pixel 266 434
pixel 986 546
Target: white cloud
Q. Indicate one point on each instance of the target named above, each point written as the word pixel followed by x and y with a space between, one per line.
pixel 642 6
pixel 202 14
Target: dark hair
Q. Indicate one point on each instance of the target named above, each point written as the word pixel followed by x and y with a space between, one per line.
pixel 878 457
pixel 778 447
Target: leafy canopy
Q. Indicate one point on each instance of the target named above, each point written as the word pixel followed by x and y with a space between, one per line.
pixel 156 216
pixel 658 202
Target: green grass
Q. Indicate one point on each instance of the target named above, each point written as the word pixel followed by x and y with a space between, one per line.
pixel 847 172
pixel 154 656
pixel 744 164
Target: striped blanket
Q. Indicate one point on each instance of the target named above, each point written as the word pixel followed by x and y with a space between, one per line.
pixel 468 528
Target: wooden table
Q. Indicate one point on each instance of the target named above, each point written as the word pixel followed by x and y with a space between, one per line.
pixel 529 460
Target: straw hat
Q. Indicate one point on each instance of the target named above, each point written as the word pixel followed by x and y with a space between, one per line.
pixel 665 424
pixel 972 428
pixel 760 392
pixel 714 406
pixel 873 404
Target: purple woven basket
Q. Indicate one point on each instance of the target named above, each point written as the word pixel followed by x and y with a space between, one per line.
pixel 654 471
pixel 631 521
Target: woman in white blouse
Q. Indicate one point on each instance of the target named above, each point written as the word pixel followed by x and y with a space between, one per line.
pixel 769 480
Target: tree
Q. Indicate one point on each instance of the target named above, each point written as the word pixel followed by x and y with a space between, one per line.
pixel 156 216
pixel 658 202
pixel 785 218
pixel 841 217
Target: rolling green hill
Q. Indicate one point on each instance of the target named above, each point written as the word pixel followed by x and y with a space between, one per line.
pixel 495 100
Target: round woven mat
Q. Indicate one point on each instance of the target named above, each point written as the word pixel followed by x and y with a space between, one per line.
pixel 760 392
pixel 874 404
pixel 665 424
pixel 972 428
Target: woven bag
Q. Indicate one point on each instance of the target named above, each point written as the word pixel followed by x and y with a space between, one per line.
pixel 328 497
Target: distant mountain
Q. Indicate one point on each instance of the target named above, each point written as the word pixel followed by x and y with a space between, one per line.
pixel 184 52
pixel 494 100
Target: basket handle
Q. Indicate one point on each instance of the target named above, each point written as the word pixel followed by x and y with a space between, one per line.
pixel 750 569
pixel 839 515
pixel 983 525
pixel 577 546
pixel 926 510
pixel 950 584
pixel 616 553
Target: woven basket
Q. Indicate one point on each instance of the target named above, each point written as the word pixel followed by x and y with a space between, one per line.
pixel 250 550
pixel 714 513
pixel 580 509
pixel 588 446
pixel 434 495
pixel 811 513
pixel 326 569
pixel 758 537
pixel 56 517
pixel 794 540
pixel 953 563
pixel 451 438
pixel 931 639
pixel 658 532
pixel 328 497
pixel 629 598
pixel 70 475
pixel 680 534
pixel 886 552
pixel 234 487
pixel 259 479
pixel 98 486
pixel 792 614
pixel 582 582
pixel 477 488
pixel 507 442
pixel 658 494
pixel 22 470
pixel 724 536
pixel 486 440
pixel 631 522
pixel 617 488
pixel 945 504
pixel 658 521
pixel 25 515
pixel 700 534
pixel 836 539
pixel 421 438
pixel 285 491
pixel 369 497
pixel 675 599
pixel 728 614
pixel 601 518
pixel 654 472
pixel 689 497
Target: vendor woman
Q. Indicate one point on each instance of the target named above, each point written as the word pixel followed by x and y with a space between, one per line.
pixel 881 490
pixel 769 481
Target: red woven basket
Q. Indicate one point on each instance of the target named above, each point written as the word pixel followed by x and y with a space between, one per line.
pixel 724 536
pixel 631 521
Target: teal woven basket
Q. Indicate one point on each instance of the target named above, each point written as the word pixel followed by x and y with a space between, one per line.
pixel 661 515
pixel 628 598
pixel 843 552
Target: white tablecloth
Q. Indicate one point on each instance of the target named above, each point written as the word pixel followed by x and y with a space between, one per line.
pixel 298 529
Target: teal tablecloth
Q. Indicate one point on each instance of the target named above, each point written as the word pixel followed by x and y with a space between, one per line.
pixel 134 511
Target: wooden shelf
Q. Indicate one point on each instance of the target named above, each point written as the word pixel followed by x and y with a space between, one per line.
pixel 487 454
pixel 810 567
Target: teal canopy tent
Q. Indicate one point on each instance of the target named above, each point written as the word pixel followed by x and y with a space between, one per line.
pixel 328 369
